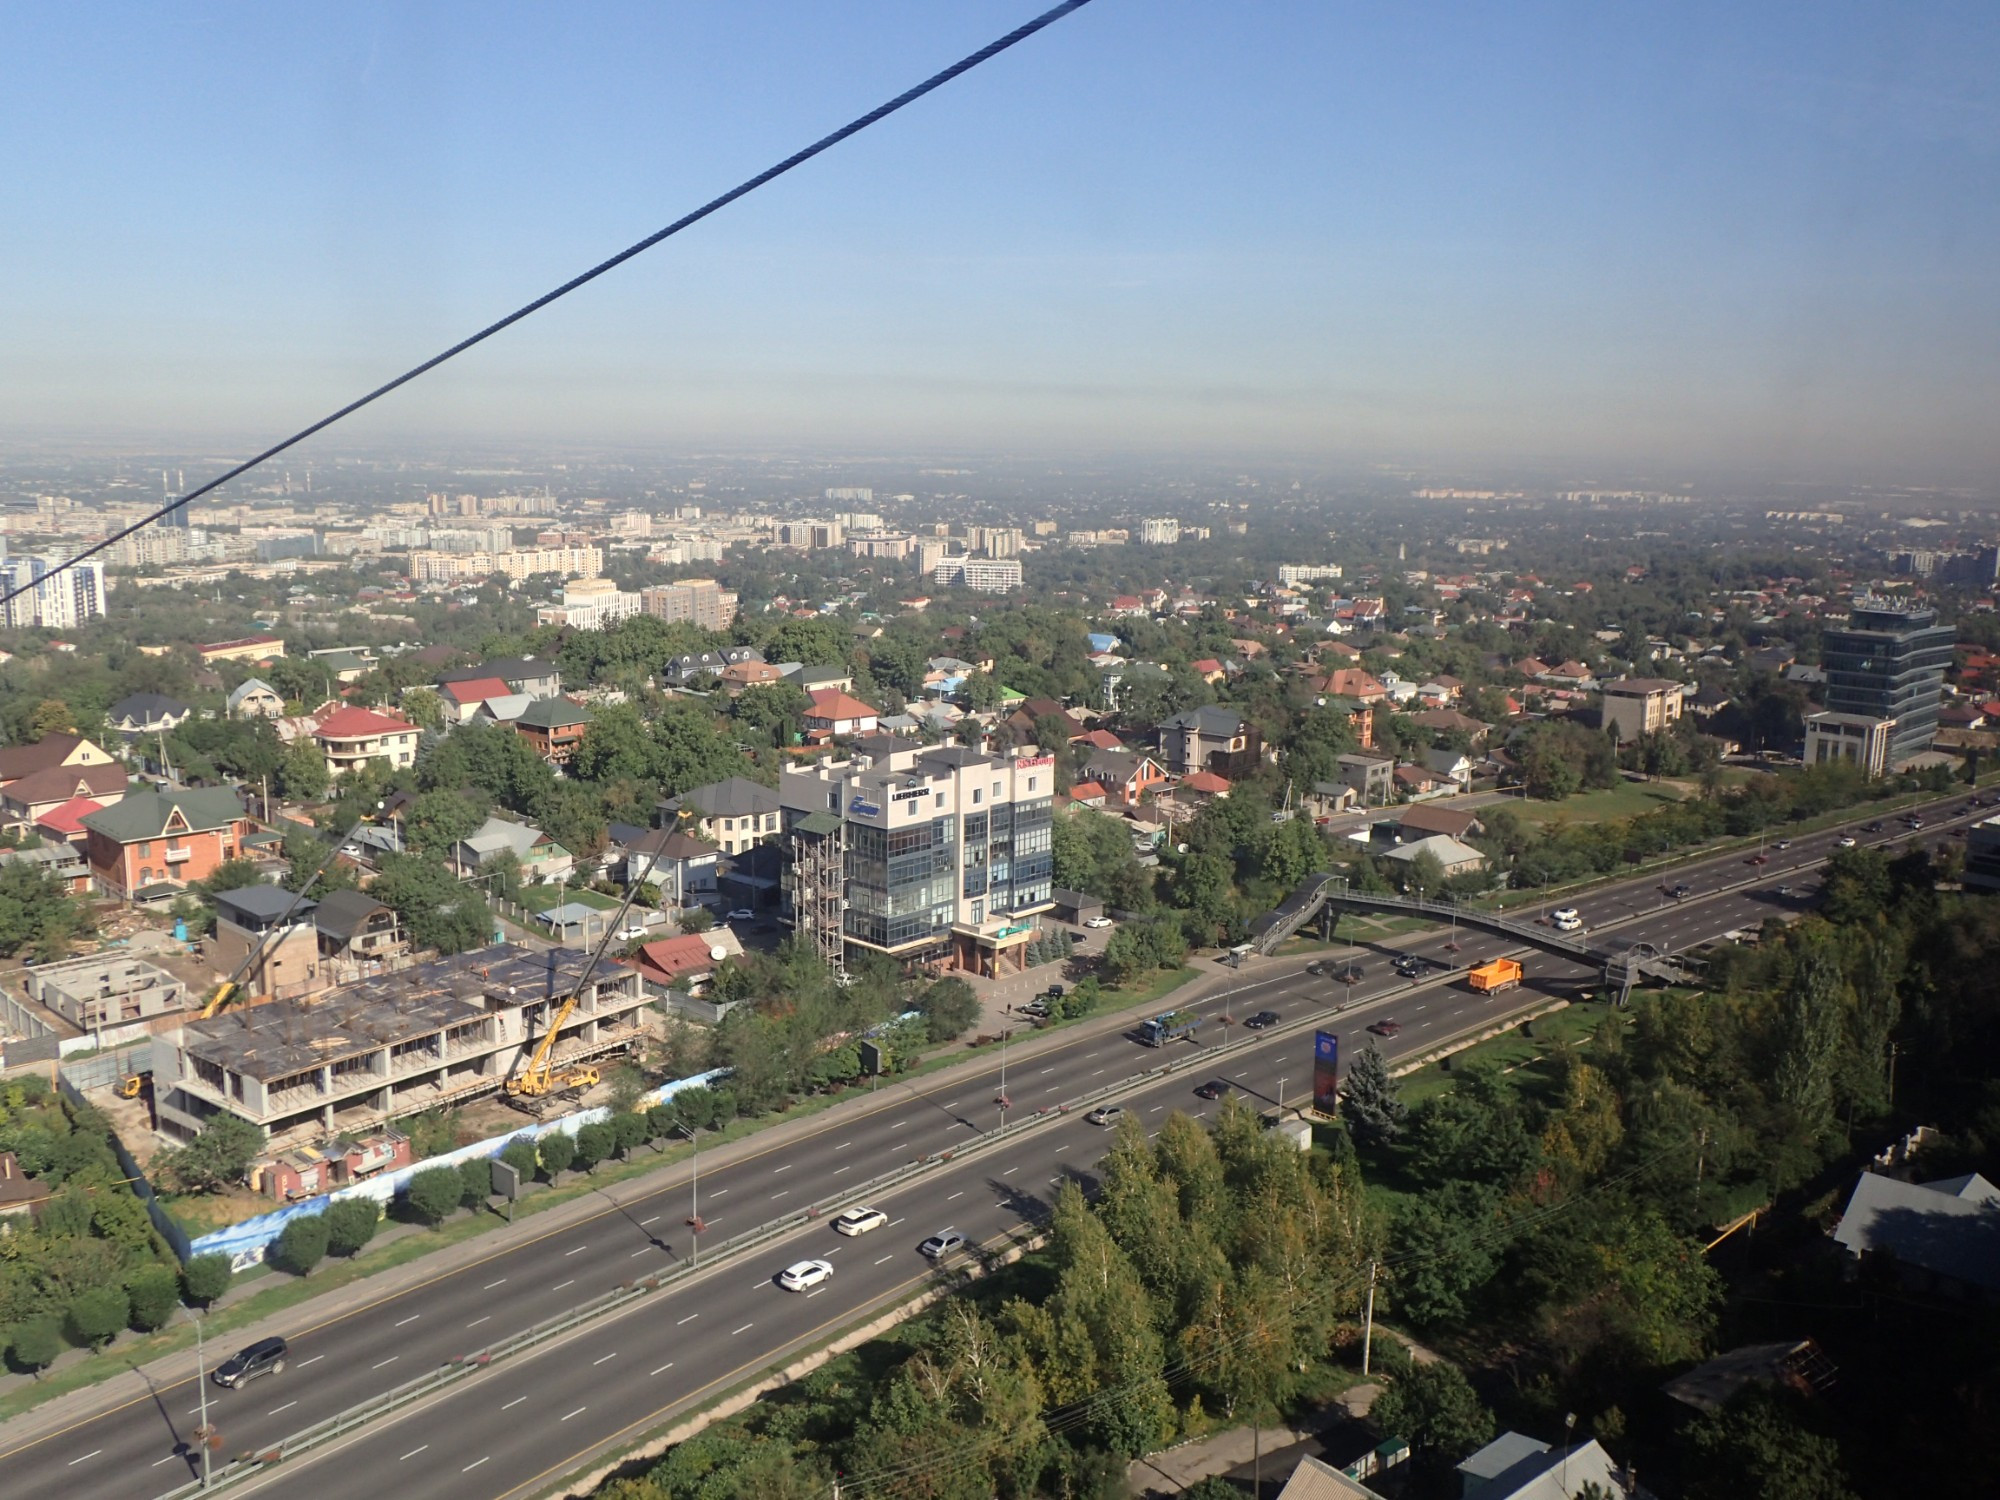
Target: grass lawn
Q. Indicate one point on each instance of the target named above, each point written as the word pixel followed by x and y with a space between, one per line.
pixel 1519 1059
pixel 1629 799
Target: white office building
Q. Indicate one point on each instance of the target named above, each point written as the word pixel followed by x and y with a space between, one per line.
pixel 58 600
pixel 985 574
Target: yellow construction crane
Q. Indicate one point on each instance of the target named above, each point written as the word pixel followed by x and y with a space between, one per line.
pixel 540 1076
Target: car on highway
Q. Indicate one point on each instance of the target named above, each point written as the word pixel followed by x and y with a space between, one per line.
pixel 1846 841
pixel 804 1275
pixel 1350 974
pixel 1758 859
pixel 1784 892
pixel 1215 1088
pixel 859 1221
pixel 1262 1019
pixel 1409 967
pixel 1782 844
pixel 1386 1028
pixel 1567 919
pixel 265 1357
pixel 1875 827
pixel 1913 823
pixel 1105 1114
pixel 742 914
pixel 1682 892
pixel 941 1244
pixel 1095 922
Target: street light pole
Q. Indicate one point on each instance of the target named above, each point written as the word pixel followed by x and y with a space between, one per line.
pixel 201 1380
pixel 694 1198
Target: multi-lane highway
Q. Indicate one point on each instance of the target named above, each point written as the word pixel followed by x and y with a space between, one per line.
pixel 534 1416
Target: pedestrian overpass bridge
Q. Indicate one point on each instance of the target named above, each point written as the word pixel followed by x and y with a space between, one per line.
pixel 1622 964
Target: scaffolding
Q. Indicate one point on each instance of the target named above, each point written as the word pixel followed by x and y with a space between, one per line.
pixel 819 888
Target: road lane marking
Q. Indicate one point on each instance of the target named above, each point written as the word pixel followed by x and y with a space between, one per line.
pixel 894 1222
pixel 389 1361
pixel 313 1361
pixel 776 1196
pixel 474 1464
pixel 847 1168
pixel 642 1250
pixel 814 1293
pixel 167 1460
pixel 1015 1168
pixel 276 1409
pixel 596 1362
pixel 410 1319
pixel 559 1286
pixel 1099 1071
pixel 785 1168
pixel 744 1329
pixel 718 1192
pixel 688 1319
pixel 1046 1071
pixel 843 1145
pixel 577 1413
pixel 885 1260
pixel 667 1366
pixel 411 1454
pixel 477 1321
pixel 1156 1109
pixel 568 1253
pixel 91 1454
pixel 515 1402
pixel 644 1222
pixel 899 1145
pixel 492 1284
pixel 959 1194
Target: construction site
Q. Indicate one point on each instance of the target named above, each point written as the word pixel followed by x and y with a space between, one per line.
pixel 498 1020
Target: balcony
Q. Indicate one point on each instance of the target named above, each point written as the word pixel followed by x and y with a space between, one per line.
pixel 179 856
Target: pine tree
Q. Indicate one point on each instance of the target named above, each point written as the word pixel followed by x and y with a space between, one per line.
pixel 1369 1101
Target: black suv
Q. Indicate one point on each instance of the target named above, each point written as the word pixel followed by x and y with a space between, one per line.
pixel 1262 1019
pixel 265 1357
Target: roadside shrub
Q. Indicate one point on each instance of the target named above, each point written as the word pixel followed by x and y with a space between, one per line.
pixel 594 1143
pixel 303 1243
pixel 155 1292
pixel 476 1181
pixel 33 1346
pixel 628 1131
pixel 434 1192
pixel 350 1224
pixel 205 1278
pixel 557 1151
pixel 96 1316
pixel 520 1155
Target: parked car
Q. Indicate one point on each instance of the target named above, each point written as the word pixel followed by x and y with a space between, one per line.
pixel 1215 1088
pixel 265 1357
pixel 804 1275
pixel 742 914
pixel 1053 992
pixel 859 1221
pixel 1105 1114
pixel 1098 922
pixel 1262 1019
pixel 1386 1028
pixel 941 1244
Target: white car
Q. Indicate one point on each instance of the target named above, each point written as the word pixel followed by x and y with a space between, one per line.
pixel 629 932
pixel 1105 1114
pixel 1098 922
pixel 1847 841
pixel 859 1221
pixel 804 1276
pixel 1567 919
pixel 741 914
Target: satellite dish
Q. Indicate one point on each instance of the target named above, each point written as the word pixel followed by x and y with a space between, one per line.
pixel 718 952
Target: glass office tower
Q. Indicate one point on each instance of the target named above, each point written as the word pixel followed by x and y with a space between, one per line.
pixel 1888 662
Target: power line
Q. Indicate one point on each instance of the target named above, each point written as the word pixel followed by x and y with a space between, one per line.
pixel 798 158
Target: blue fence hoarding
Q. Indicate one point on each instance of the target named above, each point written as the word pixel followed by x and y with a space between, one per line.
pixel 1326 1072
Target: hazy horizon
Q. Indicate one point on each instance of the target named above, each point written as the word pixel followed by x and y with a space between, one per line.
pixel 1689 243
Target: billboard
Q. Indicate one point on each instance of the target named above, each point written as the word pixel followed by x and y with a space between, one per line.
pixel 1326 1072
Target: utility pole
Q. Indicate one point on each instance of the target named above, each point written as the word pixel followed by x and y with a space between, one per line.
pixel 1894 1048
pixel 1700 1154
pixel 694 1201
pixel 201 1380
pixel 1368 1326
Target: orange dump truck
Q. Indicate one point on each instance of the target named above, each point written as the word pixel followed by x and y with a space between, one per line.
pixel 1492 978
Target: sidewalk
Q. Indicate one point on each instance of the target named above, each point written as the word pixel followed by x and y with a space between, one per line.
pixel 141 1382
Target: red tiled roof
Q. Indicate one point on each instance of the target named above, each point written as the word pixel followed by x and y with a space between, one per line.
pixel 832 703
pixel 478 690
pixel 688 954
pixel 1205 781
pixel 1084 790
pixel 351 723
pixel 67 820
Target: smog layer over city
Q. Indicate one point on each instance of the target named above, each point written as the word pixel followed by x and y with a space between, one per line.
pixel 1128 751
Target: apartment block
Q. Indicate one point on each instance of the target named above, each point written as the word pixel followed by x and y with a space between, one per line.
pixel 945 853
pixel 1888 662
pixel 1855 738
pixel 55 600
pixel 700 601
pixel 590 604
pixel 435 1034
pixel 1159 531
pixel 1639 706
pixel 985 575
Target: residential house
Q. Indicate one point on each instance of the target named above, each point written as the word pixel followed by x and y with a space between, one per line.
pixel 1027 721
pixel 522 674
pixel 692 666
pixel 462 697
pixel 346 663
pixel 555 727
pixel 1100 739
pixel 155 842
pixel 1456 858
pixel 834 713
pixel 1210 739
pixel 1126 775
pixel 733 815
pixel 1353 682
pixel 1200 787
pixel 25 801
pixel 1944 1236
pixel 739 675
pixel 147 713
pixel 688 960
pixel 254 698
pixel 356 928
pixel 502 710
pixel 1452 822
pixel 1418 782
pixel 1087 794
pixel 50 750
pixel 1454 765
pixel 1371 774
pixel 1571 674
pixel 60 859
pixel 64 824
pixel 1117 680
pixel 1515 1466
pixel 681 866
pixel 1451 721
pixel 1325 799
pixel 1638 706
pixel 541 858
pixel 244 648
pixel 275 925
pixel 351 737
pixel 810 680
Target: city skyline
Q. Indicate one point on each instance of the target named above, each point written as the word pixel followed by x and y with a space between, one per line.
pixel 1752 245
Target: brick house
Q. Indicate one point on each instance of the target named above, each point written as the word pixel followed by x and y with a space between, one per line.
pixel 555 727
pixel 351 737
pixel 160 841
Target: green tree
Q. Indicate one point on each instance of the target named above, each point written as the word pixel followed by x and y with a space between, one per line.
pixel 816 643
pixel 436 910
pixel 205 1278
pixel 302 1244
pixel 1369 1101
pixel 34 1345
pixel 628 1130
pixel 154 1291
pixel 949 1006
pixel 697 919
pixel 423 708
pixel 1810 1030
pixel 302 773
pixel 434 1193
pixel 519 1154
pixel 1451 1242
pixel 350 1224
pixel 1434 1409
pixel 594 1143
pixel 437 820
pixel 218 1157
pixel 1762 1444
pixel 50 716
pixel 96 1315
pixel 476 1181
pixel 557 1151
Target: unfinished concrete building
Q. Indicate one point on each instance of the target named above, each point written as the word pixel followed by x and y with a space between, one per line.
pixel 437 1034
pixel 94 994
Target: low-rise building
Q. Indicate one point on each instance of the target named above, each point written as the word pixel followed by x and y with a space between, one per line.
pixel 732 815
pixel 1210 739
pixel 541 858
pixel 351 737
pixel 1857 739
pixel 147 713
pixel 275 925
pixel 1371 774
pixel 154 843
pixel 25 802
pixel 254 698
pixel 1127 776
pixel 555 727
pixel 1635 707
pixel 105 990
pixel 355 928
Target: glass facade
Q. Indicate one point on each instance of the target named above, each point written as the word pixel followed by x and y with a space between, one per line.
pixel 1890 664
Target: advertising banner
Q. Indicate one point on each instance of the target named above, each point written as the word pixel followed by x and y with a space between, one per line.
pixel 1326 1072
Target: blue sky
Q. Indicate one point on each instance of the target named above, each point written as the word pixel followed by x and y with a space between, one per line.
pixel 1672 239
